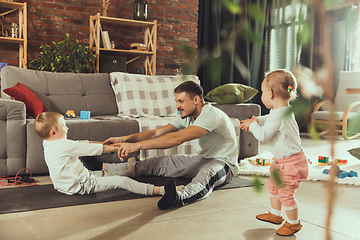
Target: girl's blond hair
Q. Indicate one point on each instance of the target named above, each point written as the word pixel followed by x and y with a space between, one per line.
pixel 283 83
pixel 46 121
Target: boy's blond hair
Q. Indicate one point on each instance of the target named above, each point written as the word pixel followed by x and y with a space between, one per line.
pixel 283 83
pixel 45 122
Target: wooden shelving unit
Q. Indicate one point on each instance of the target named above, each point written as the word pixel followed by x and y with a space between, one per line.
pixel 7 8
pixel 150 29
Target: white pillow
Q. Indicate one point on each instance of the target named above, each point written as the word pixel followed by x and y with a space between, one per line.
pixel 146 95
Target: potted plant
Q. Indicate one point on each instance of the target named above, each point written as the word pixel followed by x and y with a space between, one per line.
pixel 68 55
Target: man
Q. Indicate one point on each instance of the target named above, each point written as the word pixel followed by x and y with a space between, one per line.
pixel 212 135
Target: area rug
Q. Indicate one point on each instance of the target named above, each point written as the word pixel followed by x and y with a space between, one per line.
pixel 315 170
pixel 21 199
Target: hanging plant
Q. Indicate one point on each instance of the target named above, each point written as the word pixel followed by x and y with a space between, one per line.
pixel 65 56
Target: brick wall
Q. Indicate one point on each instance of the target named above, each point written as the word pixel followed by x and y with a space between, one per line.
pixel 50 20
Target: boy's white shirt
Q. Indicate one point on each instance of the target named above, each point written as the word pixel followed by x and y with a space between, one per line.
pixel 65 168
pixel 281 132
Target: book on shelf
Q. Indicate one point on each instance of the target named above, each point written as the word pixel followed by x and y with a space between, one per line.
pixel 105 38
pixel 138 46
pixel 102 37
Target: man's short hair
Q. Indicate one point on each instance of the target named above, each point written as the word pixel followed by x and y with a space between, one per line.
pixel 191 88
pixel 45 122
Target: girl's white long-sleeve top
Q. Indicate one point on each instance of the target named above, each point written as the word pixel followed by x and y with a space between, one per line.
pixel 281 132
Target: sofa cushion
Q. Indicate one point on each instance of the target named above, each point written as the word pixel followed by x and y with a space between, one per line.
pixel 146 95
pixel 65 91
pixel 21 93
pixel 231 93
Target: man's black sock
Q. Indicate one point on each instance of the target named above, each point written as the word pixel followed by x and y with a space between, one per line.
pixel 170 197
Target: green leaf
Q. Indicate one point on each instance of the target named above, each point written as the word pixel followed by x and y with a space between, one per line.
pixel 233 7
pixel 215 70
pixel 257 13
pixel 353 126
pixel 187 50
pixel 300 106
pixel 277 178
pixel 329 4
pixel 258 185
pixel 303 36
pixel 314 135
pixel 248 34
pixel 64 56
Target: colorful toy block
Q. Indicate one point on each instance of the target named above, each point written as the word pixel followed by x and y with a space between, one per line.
pixel 340 162
pixel 84 114
pixel 260 161
pixel 324 161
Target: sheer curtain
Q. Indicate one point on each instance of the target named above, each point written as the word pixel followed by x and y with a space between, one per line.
pixel 283 26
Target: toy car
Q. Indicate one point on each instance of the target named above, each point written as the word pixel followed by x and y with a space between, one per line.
pixel 70 114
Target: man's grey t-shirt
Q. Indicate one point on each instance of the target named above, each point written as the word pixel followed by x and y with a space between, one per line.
pixel 219 142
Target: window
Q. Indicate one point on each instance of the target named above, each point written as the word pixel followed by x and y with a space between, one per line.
pixel 283 25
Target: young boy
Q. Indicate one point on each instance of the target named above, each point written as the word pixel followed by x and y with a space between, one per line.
pixel 68 173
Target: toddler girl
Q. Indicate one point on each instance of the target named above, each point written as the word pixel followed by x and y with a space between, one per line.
pixel 281 132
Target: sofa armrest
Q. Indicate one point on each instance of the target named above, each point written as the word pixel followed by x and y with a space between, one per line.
pixel 12 140
pixel 249 145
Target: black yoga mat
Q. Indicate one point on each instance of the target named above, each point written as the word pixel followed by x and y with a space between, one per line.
pixel 21 199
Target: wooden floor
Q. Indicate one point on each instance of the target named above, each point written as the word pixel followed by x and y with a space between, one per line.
pixel 226 214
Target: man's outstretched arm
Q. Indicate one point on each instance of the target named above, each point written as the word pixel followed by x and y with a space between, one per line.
pixel 164 141
pixel 141 136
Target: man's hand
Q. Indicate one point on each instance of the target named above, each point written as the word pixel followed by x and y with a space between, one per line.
pixel 126 148
pixel 113 140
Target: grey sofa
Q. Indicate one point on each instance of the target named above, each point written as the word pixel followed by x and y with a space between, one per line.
pixel 20 147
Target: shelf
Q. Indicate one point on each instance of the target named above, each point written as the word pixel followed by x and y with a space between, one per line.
pixel 150 31
pixel 10 7
pixel 137 52
pixel 11 40
pixel 127 22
